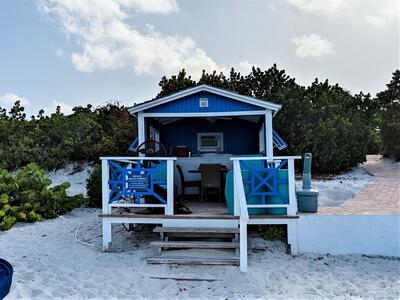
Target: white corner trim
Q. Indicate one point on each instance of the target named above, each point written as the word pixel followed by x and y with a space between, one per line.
pixel 269 142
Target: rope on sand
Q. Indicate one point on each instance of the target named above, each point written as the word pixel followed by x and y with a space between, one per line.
pixel 76 232
pixel 182 278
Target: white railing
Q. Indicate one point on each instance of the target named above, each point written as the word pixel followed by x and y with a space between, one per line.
pixel 291 206
pixel 240 202
pixel 128 164
pixel 240 209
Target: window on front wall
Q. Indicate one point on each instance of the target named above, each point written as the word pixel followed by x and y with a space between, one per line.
pixel 210 142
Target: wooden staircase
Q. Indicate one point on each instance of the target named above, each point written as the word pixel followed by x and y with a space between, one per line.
pixel 177 245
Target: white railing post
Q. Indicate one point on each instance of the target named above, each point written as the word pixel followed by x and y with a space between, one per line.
pixel 169 210
pixel 269 142
pixel 243 245
pixel 236 168
pixel 292 236
pixel 107 233
pixel 292 209
pixel 105 176
pixel 141 130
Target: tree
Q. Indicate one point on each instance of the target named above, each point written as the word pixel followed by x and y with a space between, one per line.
pixel 53 141
pixel 389 103
pixel 323 119
pixel 175 84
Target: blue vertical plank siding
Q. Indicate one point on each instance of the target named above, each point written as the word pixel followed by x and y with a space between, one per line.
pixel 240 136
pixel 216 103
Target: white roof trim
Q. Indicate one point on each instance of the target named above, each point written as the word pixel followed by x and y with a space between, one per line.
pixel 205 88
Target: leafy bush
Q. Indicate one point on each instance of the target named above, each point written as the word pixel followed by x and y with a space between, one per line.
pixel 324 119
pixel 337 127
pixel 28 197
pixel 53 141
pixel 272 232
pixel 93 187
pixel 389 101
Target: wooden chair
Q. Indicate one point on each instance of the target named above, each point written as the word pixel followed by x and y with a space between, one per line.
pixel 211 180
pixel 186 184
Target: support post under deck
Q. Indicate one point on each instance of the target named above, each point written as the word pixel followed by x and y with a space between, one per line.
pixel 243 246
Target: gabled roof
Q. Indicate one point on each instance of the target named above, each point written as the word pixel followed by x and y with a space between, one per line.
pixel 204 88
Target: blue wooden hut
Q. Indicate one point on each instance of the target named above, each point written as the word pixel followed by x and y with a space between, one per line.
pixel 244 123
pixel 177 136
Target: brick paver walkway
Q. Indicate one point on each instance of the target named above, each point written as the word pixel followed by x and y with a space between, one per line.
pixel 380 196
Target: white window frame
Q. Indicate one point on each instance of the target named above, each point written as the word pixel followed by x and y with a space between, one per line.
pixel 220 147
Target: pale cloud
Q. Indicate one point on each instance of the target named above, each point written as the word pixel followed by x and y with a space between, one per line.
pixel 328 8
pixel 155 6
pixel 9 99
pixel 246 67
pixel 65 108
pixel 387 11
pixel 378 13
pixel 312 46
pixel 107 41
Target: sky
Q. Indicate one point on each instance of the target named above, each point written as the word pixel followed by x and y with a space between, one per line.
pixel 75 52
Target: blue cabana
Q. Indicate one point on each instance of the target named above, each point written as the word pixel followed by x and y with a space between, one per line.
pixel 203 115
pixel 191 134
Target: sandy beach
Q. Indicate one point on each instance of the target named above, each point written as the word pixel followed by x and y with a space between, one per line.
pixel 199 149
pixel 51 263
pixel 62 258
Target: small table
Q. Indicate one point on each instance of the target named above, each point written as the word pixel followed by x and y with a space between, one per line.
pixel 223 171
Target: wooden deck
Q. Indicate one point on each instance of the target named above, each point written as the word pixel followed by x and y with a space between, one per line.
pixel 207 208
pixel 200 210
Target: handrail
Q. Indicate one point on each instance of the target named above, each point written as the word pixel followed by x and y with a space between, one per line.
pixel 264 157
pixel 136 158
pixel 240 200
pixel 241 196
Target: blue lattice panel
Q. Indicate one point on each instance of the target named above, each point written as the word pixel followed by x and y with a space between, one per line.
pixel 264 180
pixel 133 182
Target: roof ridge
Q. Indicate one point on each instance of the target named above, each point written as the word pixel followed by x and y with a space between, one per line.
pixel 204 87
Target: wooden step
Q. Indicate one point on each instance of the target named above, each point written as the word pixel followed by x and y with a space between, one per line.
pixel 185 260
pixel 195 244
pixel 118 214
pixel 196 230
pixel 195 235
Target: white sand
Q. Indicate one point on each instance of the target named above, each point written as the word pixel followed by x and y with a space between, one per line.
pixel 341 188
pixel 69 174
pixel 50 263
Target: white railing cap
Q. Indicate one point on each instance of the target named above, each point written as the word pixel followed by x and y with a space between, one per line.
pixel 265 157
pixel 135 158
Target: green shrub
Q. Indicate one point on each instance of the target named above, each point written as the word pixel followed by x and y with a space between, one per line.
pixel 390 131
pixel 272 232
pixel 93 187
pixel 28 197
pixel 323 119
pixel 389 101
pixel 53 141
pixel 337 127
